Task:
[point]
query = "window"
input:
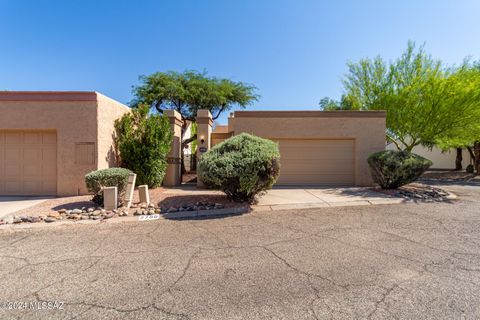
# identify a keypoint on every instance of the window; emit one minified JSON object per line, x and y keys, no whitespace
{"x":85,"y":153}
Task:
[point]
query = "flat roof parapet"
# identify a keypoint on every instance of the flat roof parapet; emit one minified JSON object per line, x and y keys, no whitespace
{"x":310,"y":113}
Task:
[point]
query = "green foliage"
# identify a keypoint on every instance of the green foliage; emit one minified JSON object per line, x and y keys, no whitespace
{"x":328,"y":104}
{"x":144,"y":141}
{"x":190,"y":91}
{"x":111,"y":177}
{"x":467,"y":134}
{"x":242,"y":166}
{"x":425,"y":101}
{"x":193,"y":133}
{"x":392,"y":169}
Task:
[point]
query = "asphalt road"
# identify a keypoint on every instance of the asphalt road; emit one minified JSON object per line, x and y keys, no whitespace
{"x":407,"y":261}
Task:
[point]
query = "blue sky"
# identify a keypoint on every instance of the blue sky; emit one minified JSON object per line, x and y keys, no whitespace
{"x":293,"y":51}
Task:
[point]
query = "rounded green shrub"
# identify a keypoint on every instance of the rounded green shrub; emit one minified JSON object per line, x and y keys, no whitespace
{"x":242,"y":166}
{"x":392,"y":169}
{"x":111,"y":177}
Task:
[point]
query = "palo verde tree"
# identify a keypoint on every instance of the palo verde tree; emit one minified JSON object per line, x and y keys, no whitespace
{"x":466,"y":136}
{"x":424,"y":99}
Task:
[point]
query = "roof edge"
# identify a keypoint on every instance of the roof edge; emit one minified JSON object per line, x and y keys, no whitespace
{"x":48,"y":96}
{"x":310,"y":113}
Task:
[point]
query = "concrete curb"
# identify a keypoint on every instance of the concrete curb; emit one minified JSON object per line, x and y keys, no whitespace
{"x":293,"y":206}
{"x":205,"y":213}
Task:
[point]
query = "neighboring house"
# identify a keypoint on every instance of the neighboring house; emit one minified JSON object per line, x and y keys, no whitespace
{"x":441,"y":160}
{"x":316,"y":147}
{"x":50,"y":140}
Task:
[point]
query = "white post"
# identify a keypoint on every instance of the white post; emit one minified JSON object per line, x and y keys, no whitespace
{"x":130,"y":188}
{"x":143,"y":194}
{"x":110,"y":199}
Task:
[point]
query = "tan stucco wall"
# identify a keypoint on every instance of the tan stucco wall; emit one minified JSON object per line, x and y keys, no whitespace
{"x":76,"y":117}
{"x":441,"y":159}
{"x":366,"y":128}
{"x":107,"y":112}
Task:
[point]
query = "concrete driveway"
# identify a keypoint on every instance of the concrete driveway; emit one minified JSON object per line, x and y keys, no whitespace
{"x":302,"y":197}
{"x":9,"y":204}
{"x":400,"y":261}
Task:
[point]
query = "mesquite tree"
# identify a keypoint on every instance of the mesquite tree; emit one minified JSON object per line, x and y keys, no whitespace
{"x":190,"y":91}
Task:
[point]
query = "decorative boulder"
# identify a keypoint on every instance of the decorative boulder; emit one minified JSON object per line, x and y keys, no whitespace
{"x":242,"y":166}
{"x":393,"y":169}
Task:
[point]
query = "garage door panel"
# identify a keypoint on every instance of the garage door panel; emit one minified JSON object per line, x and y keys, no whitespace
{"x":49,"y":139}
{"x":49,"y":155}
{"x":13,"y":154}
{"x":13,"y":187}
{"x":13,"y":171}
{"x":32,"y":172}
{"x":28,"y":163}
{"x":13,"y":138}
{"x":49,"y":171}
{"x":49,"y":187}
{"x":34,"y":138}
{"x":332,"y":163}
{"x":316,"y":161}
{"x":32,"y":187}
{"x":32,"y":154}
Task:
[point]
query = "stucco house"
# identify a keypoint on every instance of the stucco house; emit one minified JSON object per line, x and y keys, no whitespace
{"x":316,"y":147}
{"x":50,"y":140}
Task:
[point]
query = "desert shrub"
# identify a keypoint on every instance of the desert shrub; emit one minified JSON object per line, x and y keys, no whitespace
{"x":242,"y":166}
{"x":144,"y":141}
{"x":111,"y":177}
{"x":392,"y":169}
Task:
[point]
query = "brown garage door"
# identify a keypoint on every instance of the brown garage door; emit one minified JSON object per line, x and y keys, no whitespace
{"x":28,"y":163}
{"x":316,"y":162}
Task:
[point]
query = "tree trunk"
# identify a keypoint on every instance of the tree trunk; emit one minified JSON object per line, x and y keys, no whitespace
{"x":458,"y":160}
{"x":476,"y":151}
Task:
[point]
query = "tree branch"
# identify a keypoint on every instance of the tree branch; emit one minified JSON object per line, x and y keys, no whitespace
{"x":189,"y":140}
{"x":219,"y":112}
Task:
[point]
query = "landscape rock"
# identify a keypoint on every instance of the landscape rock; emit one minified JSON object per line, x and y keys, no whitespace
{"x":49,"y":219}
{"x":76,"y":211}
{"x":54,"y":215}
{"x":35,"y":219}
{"x":8,"y":219}
{"x":108,"y":215}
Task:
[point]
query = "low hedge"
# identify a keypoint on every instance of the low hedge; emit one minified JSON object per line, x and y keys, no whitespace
{"x":242,"y":166}
{"x":393,"y":169}
{"x":111,"y":177}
